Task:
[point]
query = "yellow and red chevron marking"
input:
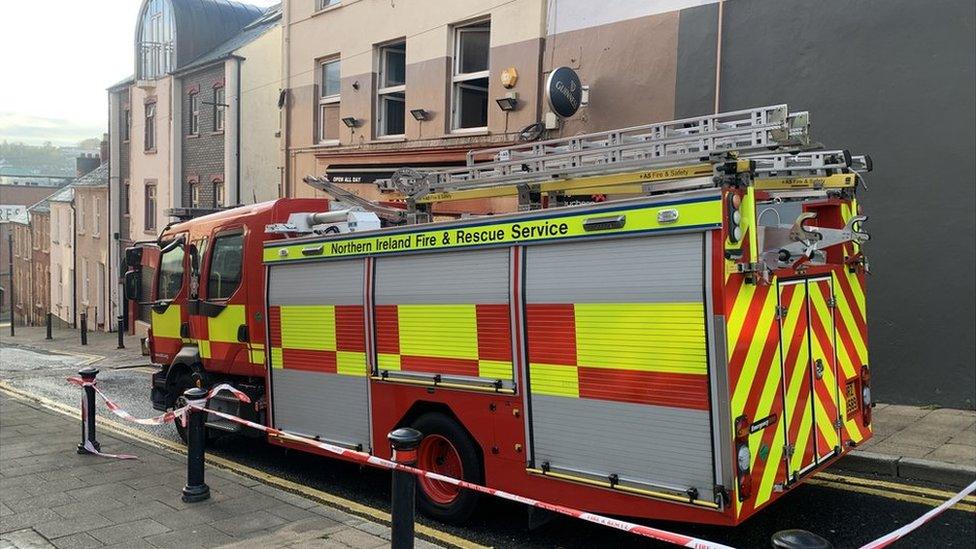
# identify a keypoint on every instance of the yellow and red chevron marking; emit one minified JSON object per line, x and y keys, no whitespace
{"x":796,"y":365}
{"x":822,"y":350}
{"x":852,"y":350}
{"x":755,"y":380}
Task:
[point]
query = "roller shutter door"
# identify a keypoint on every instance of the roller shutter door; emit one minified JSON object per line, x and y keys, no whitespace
{"x":445,"y":314}
{"x":617,"y":361}
{"x":318,"y":351}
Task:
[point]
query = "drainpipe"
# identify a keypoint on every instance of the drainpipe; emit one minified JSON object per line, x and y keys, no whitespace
{"x":74,"y":267}
{"x":283,"y":116}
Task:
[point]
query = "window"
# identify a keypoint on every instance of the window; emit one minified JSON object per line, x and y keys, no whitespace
{"x":329,"y":86}
{"x":194,"y":114}
{"x":150,"y":127}
{"x":194,"y":193}
{"x":322,"y":4}
{"x":84,"y":277}
{"x":469,"y":98}
{"x":170,"y":274}
{"x":391,"y":91}
{"x":150,"y":207}
{"x":156,"y":38}
{"x":126,"y":124}
{"x":80,"y":206}
{"x":55,"y":225}
{"x":218,"y":193}
{"x":96,"y":217}
{"x":225,"y":266}
{"x":219,"y":111}
{"x":125,"y":197}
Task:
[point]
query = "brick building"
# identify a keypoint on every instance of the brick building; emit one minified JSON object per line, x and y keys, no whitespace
{"x":31,"y":263}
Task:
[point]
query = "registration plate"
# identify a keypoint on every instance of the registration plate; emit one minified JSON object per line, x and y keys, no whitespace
{"x":852,"y":402}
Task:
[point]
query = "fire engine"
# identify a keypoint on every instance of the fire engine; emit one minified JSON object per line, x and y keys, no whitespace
{"x":671,"y":325}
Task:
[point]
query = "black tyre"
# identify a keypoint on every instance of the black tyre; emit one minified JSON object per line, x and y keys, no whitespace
{"x":447,"y":449}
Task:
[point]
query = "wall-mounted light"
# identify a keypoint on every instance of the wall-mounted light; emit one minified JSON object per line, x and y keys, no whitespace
{"x":420,"y":114}
{"x":350,"y":121}
{"x":509,"y":102}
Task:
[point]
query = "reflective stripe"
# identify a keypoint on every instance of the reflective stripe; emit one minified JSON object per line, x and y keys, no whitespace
{"x":387,"y":361}
{"x":223,"y":327}
{"x":204,"y":347}
{"x":309,"y":327}
{"x":167,"y":323}
{"x":554,"y":379}
{"x":498,"y":369}
{"x":276,"y":358}
{"x":351,"y":363}
{"x":445,"y":331}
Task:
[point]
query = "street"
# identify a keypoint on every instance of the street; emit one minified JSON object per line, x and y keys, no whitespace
{"x":848,"y":511}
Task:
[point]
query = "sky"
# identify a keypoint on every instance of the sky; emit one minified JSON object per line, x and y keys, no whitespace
{"x":57,"y":58}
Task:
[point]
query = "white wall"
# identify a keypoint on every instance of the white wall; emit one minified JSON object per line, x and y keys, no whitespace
{"x":260,"y":146}
{"x":62,"y":250}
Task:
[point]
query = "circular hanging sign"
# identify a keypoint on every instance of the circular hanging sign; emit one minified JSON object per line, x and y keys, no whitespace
{"x":564,"y":91}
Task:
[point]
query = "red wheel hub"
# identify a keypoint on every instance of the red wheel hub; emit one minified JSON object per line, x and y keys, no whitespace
{"x":437,"y":455}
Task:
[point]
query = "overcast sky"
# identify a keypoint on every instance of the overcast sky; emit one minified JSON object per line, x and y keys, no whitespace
{"x":57,"y":57}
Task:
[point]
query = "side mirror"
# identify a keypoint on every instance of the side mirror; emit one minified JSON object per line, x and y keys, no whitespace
{"x":172,"y":244}
{"x":133,"y":257}
{"x":132,"y":286}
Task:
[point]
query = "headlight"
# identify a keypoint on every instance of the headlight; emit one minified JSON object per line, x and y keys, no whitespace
{"x":745,"y":457}
{"x":866,"y":396}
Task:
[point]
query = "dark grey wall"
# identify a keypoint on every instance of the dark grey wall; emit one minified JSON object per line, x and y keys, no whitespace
{"x":203,"y":154}
{"x":895,"y":79}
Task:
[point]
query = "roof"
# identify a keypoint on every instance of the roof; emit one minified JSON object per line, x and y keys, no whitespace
{"x":269,"y":19}
{"x":65,"y":194}
{"x":94,"y":178}
{"x":202,"y":25}
{"x":20,"y":217}
{"x":125,"y":82}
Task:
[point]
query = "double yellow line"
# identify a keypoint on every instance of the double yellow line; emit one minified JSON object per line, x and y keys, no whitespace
{"x":892,"y":490}
{"x":326,"y":498}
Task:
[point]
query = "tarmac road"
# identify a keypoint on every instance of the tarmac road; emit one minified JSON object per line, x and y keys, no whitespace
{"x":847,"y":512}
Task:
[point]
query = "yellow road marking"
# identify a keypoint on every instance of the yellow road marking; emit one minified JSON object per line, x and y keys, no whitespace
{"x":943,"y":494}
{"x":899,"y":496}
{"x":243,"y":470}
{"x":89,"y":359}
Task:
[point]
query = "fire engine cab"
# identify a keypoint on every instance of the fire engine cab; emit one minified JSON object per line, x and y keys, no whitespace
{"x":671,"y":325}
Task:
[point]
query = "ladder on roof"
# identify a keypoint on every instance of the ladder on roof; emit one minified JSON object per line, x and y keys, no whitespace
{"x":652,"y":158}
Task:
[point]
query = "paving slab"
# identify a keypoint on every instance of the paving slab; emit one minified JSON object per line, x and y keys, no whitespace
{"x":67,"y":500}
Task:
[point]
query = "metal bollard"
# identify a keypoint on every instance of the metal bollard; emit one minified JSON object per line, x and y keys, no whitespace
{"x":121,"y":330}
{"x":404,"y":442}
{"x":88,"y":413}
{"x":196,"y":437}
{"x":84,"y":328}
{"x":48,"y":336}
{"x":799,"y":539}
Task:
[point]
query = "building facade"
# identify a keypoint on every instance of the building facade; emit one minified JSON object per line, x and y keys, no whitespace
{"x":62,"y":256}
{"x":94,"y":297}
{"x":31,"y":264}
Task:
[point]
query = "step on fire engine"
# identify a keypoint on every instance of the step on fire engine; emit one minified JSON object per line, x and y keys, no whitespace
{"x":687,"y":342}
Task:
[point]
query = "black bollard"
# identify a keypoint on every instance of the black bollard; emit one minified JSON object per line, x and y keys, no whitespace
{"x":48,"y":336}
{"x":404,"y":442}
{"x":799,"y":539}
{"x":121,"y":330}
{"x":196,"y":489}
{"x":88,"y":412}
{"x":84,"y":328}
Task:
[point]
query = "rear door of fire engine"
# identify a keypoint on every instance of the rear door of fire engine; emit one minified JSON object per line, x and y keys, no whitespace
{"x":809,"y":372}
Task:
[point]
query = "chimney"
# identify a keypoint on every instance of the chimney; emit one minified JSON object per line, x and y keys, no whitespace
{"x":103,"y":149}
{"x":85,"y":163}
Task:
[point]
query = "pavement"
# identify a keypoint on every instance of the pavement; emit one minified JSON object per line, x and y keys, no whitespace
{"x":50,"y":496}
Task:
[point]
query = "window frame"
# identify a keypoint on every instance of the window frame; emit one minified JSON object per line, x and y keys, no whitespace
{"x":326,"y":4}
{"x":211,"y":253}
{"x":194,"y":184}
{"x":149,"y":221}
{"x":80,"y":213}
{"x":387,"y":93}
{"x":96,"y":217}
{"x":219,"y":198}
{"x":159,"y":274}
{"x":220,"y":109}
{"x":126,"y":124}
{"x":194,"y":110}
{"x":149,"y":130}
{"x":325,"y":101}
{"x":459,"y":78}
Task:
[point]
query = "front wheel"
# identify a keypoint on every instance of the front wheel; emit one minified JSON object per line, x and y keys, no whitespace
{"x":447,"y":449}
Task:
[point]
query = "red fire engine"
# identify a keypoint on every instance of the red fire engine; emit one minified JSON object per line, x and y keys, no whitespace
{"x":689,"y":347}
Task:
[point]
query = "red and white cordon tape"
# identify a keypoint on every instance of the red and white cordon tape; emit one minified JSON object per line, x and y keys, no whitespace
{"x":887,"y":540}
{"x":177,"y":414}
{"x":368,"y":459}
